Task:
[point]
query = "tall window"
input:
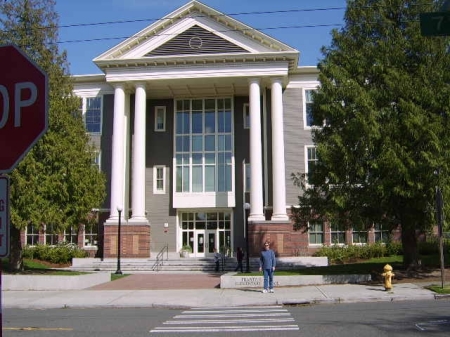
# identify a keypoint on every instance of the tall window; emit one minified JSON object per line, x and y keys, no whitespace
{"x":96,"y":159}
{"x":308,"y":108}
{"x":160,"y":118}
{"x":51,"y":237}
{"x":337,"y":235}
{"x":315,"y":232}
{"x":159,"y":178}
{"x":381,"y":235}
{"x":246,"y":116}
{"x":247,"y":177}
{"x":71,"y":235}
{"x":359,"y":236}
{"x":93,"y":114}
{"x":90,"y":234}
{"x":311,"y":159}
{"x":32,"y":235}
{"x":203,"y":145}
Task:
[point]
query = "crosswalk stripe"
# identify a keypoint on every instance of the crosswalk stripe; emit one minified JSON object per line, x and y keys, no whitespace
{"x":231,"y":315}
{"x":229,"y":328}
{"x":273,"y":318}
{"x":220,"y":321}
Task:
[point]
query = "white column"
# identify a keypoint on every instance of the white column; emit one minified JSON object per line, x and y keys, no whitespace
{"x":278,"y":169}
{"x":256,"y":180}
{"x":117,"y":164}
{"x":138,"y":165}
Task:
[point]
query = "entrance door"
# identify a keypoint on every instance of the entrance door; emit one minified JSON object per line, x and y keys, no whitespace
{"x":205,"y":243}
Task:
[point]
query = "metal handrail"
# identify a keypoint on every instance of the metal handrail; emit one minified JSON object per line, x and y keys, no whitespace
{"x":160,"y":258}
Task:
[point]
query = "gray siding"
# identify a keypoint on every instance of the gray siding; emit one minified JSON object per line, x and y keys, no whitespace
{"x":295,"y":139}
{"x":106,"y":143}
{"x":159,"y":151}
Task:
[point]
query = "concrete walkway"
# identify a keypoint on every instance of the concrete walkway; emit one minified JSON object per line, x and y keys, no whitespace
{"x":201,"y":290}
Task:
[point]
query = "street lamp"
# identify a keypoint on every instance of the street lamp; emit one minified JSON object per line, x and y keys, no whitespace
{"x":247,"y":255}
{"x":119,"y":210}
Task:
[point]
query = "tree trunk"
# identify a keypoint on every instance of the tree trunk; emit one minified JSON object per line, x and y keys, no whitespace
{"x":15,"y":253}
{"x":410,"y":249}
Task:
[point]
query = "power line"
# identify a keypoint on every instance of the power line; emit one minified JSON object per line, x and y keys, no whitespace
{"x":215,"y":31}
{"x":218,"y":15}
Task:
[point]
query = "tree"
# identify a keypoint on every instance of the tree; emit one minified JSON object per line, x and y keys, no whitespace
{"x":56,"y":183}
{"x":383,"y":111}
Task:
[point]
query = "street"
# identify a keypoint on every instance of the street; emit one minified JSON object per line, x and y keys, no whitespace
{"x":407,"y":318}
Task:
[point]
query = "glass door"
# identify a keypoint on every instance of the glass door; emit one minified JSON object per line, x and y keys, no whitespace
{"x":205,"y":243}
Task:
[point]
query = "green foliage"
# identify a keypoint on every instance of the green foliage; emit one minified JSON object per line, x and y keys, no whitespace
{"x":342,"y":254}
{"x":61,"y":253}
{"x":187,"y":248}
{"x":56,"y":182}
{"x":385,"y":96}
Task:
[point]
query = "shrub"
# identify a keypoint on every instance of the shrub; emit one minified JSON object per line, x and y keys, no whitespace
{"x":340,"y":254}
{"x":62,"y":253}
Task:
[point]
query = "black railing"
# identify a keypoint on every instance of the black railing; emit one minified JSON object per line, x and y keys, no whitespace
{"x":160,"y":258}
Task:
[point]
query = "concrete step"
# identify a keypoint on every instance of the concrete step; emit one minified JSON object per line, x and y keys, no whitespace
{"x":174,"y":264}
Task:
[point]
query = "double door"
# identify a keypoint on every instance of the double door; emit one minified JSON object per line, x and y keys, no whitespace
{"x":205,"y":242}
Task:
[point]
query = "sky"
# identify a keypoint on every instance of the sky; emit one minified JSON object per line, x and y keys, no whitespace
{"x":89,"y":28}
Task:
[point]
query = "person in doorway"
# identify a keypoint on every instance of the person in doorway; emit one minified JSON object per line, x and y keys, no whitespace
{"x":267,"y":265}
{"x":239,"y":257}
{"x":216,"y":259}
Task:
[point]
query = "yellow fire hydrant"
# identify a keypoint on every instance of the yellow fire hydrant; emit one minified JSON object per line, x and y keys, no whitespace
{"x":388,"y":275}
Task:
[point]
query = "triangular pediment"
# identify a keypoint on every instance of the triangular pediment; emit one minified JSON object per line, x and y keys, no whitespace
{"x":196,"y":40}
{"x":195,"y":31}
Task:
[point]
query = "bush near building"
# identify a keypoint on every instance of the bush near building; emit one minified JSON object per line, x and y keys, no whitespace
{"x":61,"y":253}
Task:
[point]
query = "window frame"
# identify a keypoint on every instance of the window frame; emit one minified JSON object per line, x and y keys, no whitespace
{"x":246,"y":116}
{"x":313,"y":231}
{"x":305,"y":104}
{"x":381,"y":232}
{"x":85,"y":110}
{"x":360,"y":233}
{"x":308,"y":160}
{"x":49,"y":236}
{"x":335,"y":231}
{"x":201,"y":168}
{"x":163,"y":110}
{"x":247,"y":177}
{"x":34,"y":235}
{"x":155,"y":179}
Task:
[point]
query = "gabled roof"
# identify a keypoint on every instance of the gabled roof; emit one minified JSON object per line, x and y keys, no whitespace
{"x":193,"y":33}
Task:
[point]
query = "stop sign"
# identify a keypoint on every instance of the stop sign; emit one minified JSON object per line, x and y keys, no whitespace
{"x":23,"y":106}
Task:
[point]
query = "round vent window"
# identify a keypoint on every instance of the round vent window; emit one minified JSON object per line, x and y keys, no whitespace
{"x":195,"y":42}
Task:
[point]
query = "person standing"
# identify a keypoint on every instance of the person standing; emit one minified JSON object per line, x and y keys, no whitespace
{"x":216,"y":259}
{"x":239,"y":257}
{"x":267,"y":265}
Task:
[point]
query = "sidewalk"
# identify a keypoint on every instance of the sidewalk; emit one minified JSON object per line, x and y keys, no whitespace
{"x":199,"y":290}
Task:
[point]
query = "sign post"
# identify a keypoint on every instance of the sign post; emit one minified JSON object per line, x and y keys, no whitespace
{"x":4,"y":216}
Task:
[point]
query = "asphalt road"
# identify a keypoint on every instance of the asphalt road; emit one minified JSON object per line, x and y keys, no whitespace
{"x":409,"y":318}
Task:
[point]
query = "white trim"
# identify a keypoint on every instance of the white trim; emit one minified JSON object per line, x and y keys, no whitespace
{"x":209,"y":199}
{"x":158,"y":109}
{"x":198,"y":70}
{"x":188,"y":11}
{"x":155,"y":181}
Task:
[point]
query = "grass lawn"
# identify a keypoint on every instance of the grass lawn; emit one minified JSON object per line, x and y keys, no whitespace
{"x":439,"y":289}
{"x":35,"y":267}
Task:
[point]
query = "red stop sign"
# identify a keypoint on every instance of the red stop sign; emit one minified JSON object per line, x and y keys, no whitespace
{"x":23,"y":106}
